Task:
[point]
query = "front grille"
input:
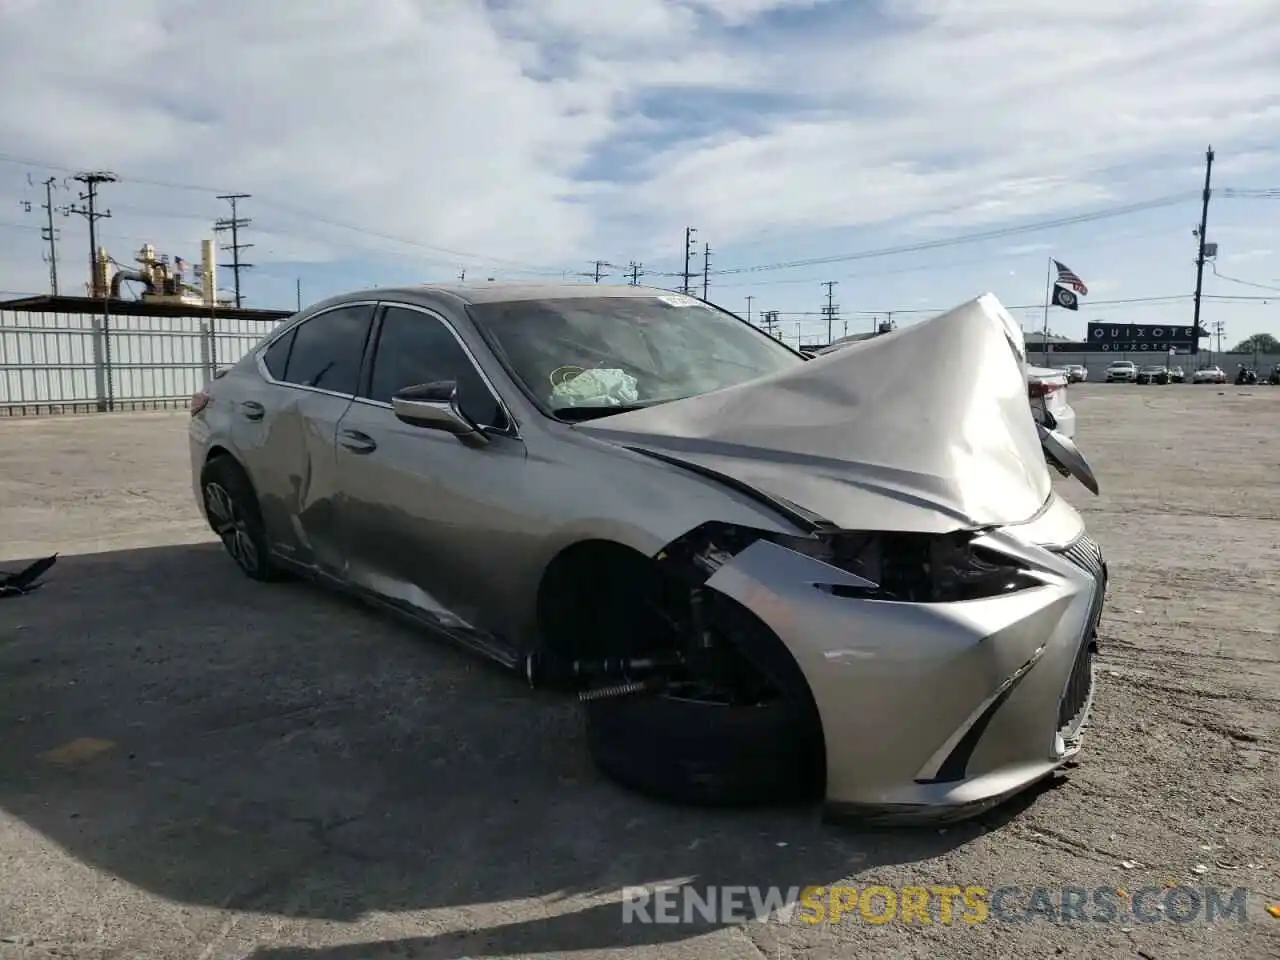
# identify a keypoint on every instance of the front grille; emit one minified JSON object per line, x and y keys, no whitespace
{"x":1087,"y":555}
{"x":1073,"y":709}
{"x":1079,"y":693}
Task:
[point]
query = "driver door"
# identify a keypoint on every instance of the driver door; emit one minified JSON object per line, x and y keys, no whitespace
{"x":423,"y":512}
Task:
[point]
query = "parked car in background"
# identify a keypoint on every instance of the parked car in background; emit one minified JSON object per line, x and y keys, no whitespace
{"x":1177,"y":375}
{"x":742,"y":561}
{"x":1153,"y":374}
{"x":1210,"y":374}
{"x":1047,"y":389}
{"x":1077,"y":373}
{"x":1122,"y":371}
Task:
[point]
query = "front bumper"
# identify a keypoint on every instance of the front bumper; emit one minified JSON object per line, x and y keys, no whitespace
{"x":940,"y":711}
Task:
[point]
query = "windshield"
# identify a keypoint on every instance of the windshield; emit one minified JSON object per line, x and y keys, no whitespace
{"x":582,"y":357}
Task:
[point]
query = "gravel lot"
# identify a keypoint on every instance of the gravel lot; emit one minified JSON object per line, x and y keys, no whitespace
{"x":196,"y":766}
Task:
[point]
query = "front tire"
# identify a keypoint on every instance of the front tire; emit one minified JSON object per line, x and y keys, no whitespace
{"x":688,"y":745}
{"x":707,"y":754}
{"x":232,"y":509}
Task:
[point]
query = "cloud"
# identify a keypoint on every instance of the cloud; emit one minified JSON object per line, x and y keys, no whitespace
{"x":978,"y":111}
{"x":533,"y":135}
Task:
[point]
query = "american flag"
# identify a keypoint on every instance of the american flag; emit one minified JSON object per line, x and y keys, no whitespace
{"x":1068,"y":276}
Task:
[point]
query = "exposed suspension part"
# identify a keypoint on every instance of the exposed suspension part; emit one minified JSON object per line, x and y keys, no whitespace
{"x":619,"y":690}
{"x":542,"y":670}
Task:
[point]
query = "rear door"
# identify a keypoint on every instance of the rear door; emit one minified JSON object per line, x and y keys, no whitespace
{"x":425,"y":517}
{"x":286,"y":432}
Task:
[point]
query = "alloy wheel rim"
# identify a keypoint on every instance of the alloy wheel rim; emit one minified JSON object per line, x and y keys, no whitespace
{"x":230,"y":526}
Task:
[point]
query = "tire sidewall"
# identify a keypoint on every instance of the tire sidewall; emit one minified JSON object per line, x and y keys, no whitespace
{"x":253,"y":556}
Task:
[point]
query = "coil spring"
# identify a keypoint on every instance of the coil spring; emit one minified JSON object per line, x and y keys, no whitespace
{"x":617,"y":690}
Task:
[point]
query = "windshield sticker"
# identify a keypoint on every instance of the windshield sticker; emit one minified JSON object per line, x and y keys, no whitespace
{"x":680,"y":300}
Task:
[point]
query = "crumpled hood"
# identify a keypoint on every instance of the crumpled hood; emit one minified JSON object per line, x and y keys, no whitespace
{"x":927,"y":428}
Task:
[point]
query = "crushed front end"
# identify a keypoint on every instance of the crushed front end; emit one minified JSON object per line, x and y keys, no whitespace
{"x":938,"y":699}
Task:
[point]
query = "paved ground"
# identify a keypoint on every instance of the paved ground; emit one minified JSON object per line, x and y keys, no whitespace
{"x":196,"y":766}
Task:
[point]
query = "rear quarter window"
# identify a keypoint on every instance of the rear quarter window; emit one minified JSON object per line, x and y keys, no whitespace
{"x":276,"y":359}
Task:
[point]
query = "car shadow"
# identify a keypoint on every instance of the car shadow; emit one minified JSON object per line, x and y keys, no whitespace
{"x":282,"y":750}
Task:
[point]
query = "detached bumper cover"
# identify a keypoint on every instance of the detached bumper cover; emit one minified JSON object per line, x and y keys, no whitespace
{"x":937,"y":711}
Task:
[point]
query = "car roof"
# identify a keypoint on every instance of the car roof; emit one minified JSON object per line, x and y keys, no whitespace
{"x":505,"y":292}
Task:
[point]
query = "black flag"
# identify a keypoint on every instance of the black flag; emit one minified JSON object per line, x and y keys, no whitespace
{"x":1064,"y":298}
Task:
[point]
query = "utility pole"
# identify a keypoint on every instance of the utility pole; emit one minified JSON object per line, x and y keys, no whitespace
{"x":462,"y":275}
{"x":749,"y":299}
{"x":90,"y":212}
{"x":829,"y":311}
{"x":706,"y":268}
{"x":297,"y":289}
{"x":1204,"y":224}
{"x":50,"y":235}
{"x":689,"y":233}
{"x":636,"y":269}
{"x":770,"y":320}
{"x":234,"y":223}
{"x":600,"y":265}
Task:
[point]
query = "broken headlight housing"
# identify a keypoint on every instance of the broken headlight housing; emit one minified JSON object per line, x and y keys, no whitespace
{"x":900,"y":567}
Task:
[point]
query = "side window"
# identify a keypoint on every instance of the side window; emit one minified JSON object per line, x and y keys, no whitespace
{"x":415,"y":348}
{"x":277,"y":356}
{"x":327,"y":349}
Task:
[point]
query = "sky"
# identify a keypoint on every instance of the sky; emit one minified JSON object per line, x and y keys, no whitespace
{"x":925,"y":151}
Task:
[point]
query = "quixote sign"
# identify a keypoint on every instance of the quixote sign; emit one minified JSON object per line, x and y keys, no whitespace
{"x":1140,"y":337}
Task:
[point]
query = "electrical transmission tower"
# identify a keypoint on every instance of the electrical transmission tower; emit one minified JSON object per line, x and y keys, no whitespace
{"x":49,"y":234}
{"x":706,"y":268}
{"x":90,"y":212}
{"x":635,"y":269}
{"x":689,"y":234}
{"x":829,"y":311}
{"x":234,"y":223}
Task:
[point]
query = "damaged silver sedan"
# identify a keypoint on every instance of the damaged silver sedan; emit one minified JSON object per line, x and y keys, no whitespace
{"x":766,"y":576}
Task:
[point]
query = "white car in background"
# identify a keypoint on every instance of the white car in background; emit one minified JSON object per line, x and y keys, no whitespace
{"x":1122,"y":371}
{"x":1047,"y":389}
{"x":1209,"y":375}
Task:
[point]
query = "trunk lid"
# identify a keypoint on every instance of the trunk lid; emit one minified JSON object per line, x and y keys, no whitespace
{"x":927,"y":428}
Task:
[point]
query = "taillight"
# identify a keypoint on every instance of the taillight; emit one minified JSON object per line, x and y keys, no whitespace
{"x":199,"y":400}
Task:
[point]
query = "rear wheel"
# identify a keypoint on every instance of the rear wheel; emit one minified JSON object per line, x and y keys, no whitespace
{"x":232,"y":509}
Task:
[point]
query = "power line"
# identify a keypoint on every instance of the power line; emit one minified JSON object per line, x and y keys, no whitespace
{"x":966,"y":238}
{"x":1248,"y":283}
{"x":525,"y":267}
{"x":234,"y":223}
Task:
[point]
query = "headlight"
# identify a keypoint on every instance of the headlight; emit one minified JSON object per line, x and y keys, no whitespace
{"x":904,"y":567}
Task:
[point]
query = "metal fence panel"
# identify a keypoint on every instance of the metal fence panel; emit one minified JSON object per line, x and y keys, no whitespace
{"x":74,"y":363}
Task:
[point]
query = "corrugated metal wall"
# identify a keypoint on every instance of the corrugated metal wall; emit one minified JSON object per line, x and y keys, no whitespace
{"x":72,"y":363}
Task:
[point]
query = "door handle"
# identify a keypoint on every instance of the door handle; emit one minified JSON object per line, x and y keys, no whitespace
{"x":358,"y":442}
{"x":252,"y":409}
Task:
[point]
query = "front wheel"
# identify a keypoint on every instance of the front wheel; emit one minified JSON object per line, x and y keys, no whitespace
{"x":696,"y":752}
{"x":232,"y":509}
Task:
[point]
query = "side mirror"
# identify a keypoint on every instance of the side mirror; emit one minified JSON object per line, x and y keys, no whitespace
{"x":434,"y":406}
{"x":1065,"y":457}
